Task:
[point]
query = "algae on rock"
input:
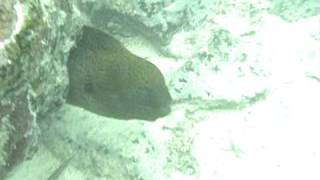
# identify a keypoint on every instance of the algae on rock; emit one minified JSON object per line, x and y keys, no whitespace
{"x":33,"y":76}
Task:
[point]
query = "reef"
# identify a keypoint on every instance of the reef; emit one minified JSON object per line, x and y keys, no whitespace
{"x":33,"y":75}
{"x":7,"y":18}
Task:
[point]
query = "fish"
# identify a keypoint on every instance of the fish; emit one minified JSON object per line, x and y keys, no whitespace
{"x":107,"y":79}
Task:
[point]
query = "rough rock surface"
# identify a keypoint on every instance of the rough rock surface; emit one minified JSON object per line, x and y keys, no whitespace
{"x":34,"y":42}
{"x":295,"y":10}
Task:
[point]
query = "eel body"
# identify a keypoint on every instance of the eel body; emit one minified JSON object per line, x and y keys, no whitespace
{"x":107,"y":79}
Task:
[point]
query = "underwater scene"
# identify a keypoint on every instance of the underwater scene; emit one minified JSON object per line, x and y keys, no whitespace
{"x":159,"y":89}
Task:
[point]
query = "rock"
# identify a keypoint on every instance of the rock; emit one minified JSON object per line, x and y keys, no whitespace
{"x":34,"y":43}
{"x":296,"y":10}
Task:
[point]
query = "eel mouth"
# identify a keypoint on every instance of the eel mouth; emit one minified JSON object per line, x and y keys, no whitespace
{"x":163,"y":111}
{"x":151,"y":113}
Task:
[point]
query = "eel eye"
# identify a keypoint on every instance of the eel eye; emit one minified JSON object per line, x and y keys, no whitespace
{"x":88,"y":87}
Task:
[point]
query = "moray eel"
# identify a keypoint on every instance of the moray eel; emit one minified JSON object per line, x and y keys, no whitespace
{"x":107,"y":79}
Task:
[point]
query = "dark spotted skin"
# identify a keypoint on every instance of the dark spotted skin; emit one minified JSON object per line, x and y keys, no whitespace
{"x":107,"y":79}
